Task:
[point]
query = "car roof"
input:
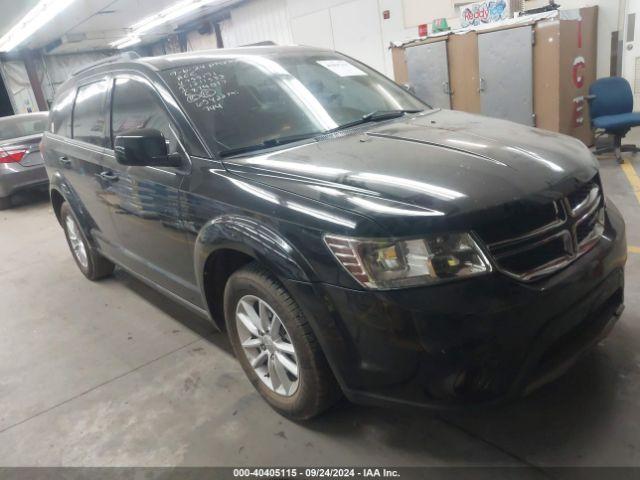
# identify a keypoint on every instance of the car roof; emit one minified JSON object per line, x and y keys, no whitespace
{"x":130,"y":61}
{"x":166,"y":62}
{"x":177,"y":60}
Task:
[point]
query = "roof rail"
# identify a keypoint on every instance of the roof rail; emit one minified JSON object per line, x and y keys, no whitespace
{"x":131,"y":55}
{"x":266,"y":43}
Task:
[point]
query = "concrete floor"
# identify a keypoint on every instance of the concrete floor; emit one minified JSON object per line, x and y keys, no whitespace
{"x":115,"y":374}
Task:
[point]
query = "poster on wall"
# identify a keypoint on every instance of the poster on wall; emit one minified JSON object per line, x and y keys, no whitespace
{"x":481,"y":13}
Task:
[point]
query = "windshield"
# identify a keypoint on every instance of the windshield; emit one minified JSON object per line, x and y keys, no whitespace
{"x":22,"y":126}
{"x":260,"y":101}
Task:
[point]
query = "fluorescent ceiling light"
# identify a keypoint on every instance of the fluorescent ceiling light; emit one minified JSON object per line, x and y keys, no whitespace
{"x":42,"y":13}
{"x":173,"y":12}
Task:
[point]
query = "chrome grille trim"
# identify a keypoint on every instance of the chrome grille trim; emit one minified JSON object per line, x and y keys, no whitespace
{"x":530,"y":246}
{"x":548,"y":267}
{"x":598,"y":230}
{"x":589,"y":202}
{"x":560,"y":219}
{"x":568,"y":219}
{"x":592,"y":208}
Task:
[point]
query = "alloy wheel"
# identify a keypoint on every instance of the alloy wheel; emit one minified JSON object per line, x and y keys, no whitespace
{"x":77,"y":243}
{"x":267,"y":345}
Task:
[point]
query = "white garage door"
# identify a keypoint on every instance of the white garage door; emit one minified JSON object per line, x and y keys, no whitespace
{"x":313,"y":29}
{"x":356,"y":32}
{"x":351,"y":27}
{"x":254,"y":22}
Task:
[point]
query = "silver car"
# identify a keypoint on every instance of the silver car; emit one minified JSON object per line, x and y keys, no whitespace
{"x":21,"y":165}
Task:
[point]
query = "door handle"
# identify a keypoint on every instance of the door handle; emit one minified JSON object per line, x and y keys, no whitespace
{"x":108,"y":176}
{"x":482,"y":86}
{"x":64,"y":161}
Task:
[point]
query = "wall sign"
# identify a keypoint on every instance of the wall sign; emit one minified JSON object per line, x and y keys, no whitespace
{"x":480,"y":13}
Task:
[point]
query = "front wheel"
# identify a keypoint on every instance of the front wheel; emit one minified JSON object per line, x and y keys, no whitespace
{"x":93,"y":265}
{"x":275,"y":345}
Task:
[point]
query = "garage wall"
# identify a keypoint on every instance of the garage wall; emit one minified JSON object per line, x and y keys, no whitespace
{"x":257,"y":21}
{"x":610,"y":13}
{"x":54,"y":70}
{"x":357,"y":27}
{"x":199,"y":41}
{"x":352,"y":27}
{"x":416,"y":12}
{"x":16,"y":81}
{"x":51,"y":70}
{"x":608,"y":18}
{"x":393,"y":29}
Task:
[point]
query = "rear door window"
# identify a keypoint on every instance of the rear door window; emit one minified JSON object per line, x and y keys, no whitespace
{"x":89,"y":113}
{"x":61,"y":114}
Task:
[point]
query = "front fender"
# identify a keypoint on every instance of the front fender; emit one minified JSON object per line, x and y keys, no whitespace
{"x":252,"y":238}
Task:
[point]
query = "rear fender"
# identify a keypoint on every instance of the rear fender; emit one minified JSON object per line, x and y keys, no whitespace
{"x":57,"y":183}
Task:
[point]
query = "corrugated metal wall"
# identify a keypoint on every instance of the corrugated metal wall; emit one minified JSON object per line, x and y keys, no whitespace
{"x":198,"y":41}
{"x":257,"y":21}
{"x":16,"y":81}
{"x":54,"y":70}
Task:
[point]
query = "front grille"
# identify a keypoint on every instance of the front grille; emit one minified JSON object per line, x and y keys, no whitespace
{"x":531,"y":219}
{"x":536,"y":256}
{"x":578,"y":223}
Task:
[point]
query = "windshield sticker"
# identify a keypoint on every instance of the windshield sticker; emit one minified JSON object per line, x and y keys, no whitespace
{"x":202,"y":86}
{"x":342,"y":68}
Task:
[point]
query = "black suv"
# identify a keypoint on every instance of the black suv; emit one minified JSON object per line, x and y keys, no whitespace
{"x":347,"y":236}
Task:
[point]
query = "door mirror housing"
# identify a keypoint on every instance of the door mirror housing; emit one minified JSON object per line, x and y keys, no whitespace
{"x":144,"y":147}
{"x":409,"y":88}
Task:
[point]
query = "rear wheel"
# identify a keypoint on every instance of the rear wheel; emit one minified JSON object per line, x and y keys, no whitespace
{"x":275,"y":345}
{"x":93,"y":265}
{"x":5,"y":202}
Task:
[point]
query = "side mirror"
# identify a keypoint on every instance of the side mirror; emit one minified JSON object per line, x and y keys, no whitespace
{"x":144,"y":147}
{"x":409,"y":88}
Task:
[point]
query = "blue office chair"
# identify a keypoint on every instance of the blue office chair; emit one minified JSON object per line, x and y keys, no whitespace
{"x":611,"y":109}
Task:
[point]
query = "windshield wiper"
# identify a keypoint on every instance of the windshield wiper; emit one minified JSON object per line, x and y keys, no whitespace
{"x":376,"y":116}
{"x":272,"y":142}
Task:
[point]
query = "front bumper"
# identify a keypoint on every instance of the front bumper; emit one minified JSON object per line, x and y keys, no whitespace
{"x":15,"y":177}
{"x":477,"y":341}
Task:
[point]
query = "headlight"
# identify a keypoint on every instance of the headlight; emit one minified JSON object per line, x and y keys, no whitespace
{"x":386,"y":264}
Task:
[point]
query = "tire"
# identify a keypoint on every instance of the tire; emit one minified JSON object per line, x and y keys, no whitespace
{"x":5,"y":203}
{"x":315,"y":388}
{"x":93,"y":265}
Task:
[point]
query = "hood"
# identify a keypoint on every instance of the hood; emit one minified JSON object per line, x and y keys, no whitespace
{"x":416,"y":173}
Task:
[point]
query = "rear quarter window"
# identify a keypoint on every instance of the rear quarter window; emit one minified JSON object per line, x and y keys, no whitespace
{"x":89,"y":123}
